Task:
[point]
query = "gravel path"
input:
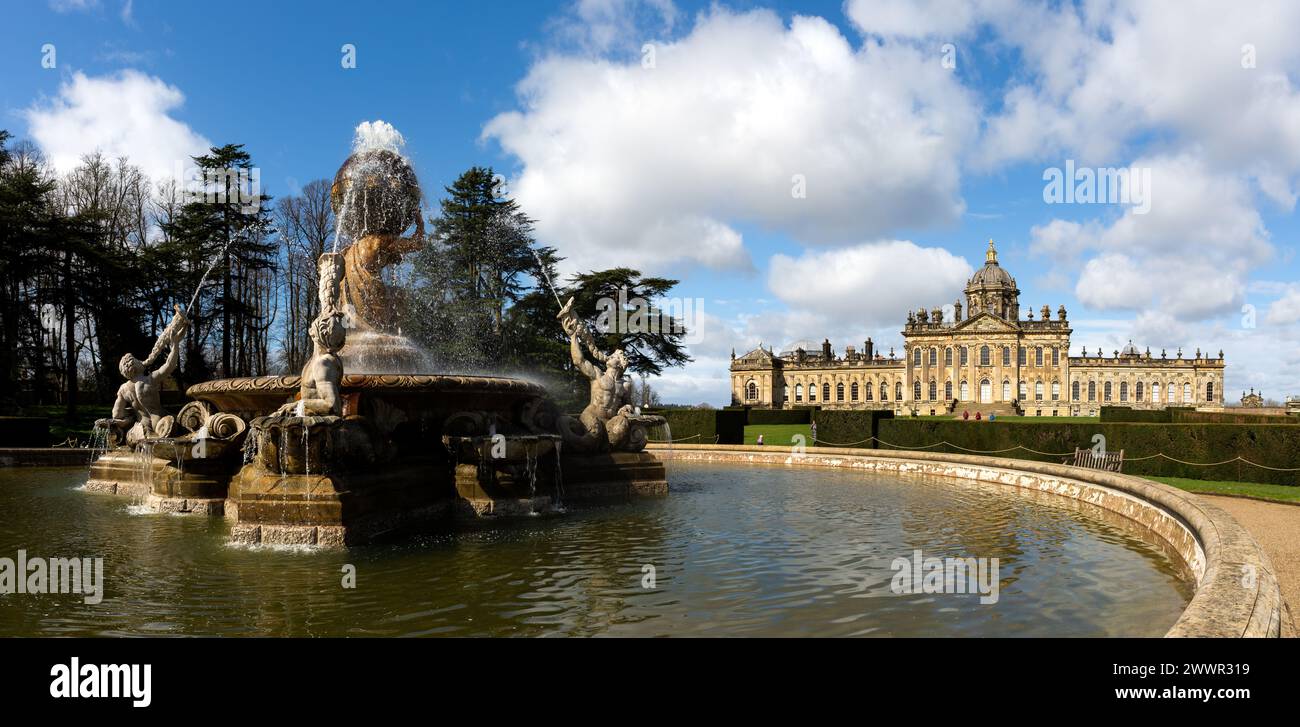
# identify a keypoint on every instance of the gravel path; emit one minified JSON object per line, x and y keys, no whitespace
{"x":1277,"y":528}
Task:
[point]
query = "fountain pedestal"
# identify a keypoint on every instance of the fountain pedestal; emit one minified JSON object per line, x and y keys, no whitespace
{"x":613,"y":475}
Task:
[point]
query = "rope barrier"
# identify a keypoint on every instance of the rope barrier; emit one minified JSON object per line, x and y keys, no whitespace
{"x":1055,"y":454}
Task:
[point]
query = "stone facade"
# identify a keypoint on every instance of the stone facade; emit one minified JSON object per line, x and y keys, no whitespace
{"x":989,"y":360}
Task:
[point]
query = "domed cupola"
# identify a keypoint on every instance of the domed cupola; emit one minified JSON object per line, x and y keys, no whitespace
{"x":992,"y":289}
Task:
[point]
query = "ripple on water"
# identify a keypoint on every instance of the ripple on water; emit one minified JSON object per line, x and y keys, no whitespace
{"x":735,"y":550}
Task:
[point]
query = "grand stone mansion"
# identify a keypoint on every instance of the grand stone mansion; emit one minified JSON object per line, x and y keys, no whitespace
{"x":989,"y":360}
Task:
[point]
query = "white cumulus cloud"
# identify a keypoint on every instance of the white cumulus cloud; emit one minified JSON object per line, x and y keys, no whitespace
{"x":659,"y":165}
{"x":126,"y":114}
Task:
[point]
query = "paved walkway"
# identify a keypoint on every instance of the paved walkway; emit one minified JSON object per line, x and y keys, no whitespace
{"x":1277,"y":528}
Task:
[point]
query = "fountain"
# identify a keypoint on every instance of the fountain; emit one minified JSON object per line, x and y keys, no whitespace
{"x":366,"y":441}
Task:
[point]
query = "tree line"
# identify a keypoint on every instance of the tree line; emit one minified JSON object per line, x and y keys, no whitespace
{"x":93,"y":260}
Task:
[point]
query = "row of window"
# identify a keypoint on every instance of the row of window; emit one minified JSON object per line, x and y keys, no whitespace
{"x":1041,"y":355}
{"x":1139,"y":391}
{"x":868,"y":391}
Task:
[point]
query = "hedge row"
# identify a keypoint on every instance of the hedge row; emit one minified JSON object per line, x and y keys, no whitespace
{"x":24,"y":432}
{"x":1188,"y":415}
{"x":703,"y":426}
{"x":1273,"y":445}
{"x":780,"y":416}
{"x":849,"y":427}
{"x":1215,"y":417}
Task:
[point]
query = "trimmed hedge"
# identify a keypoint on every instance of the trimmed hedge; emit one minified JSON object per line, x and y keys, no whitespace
{"x":1273,"y":445}
{"x":1216,"y":417}
{"x":1189,"y":415}
{"x":727,"y":426}
{"x":848,"y":427}
{"x":24,"y":432}
{"x":780,"y":416}
{"x":1128,"y":414}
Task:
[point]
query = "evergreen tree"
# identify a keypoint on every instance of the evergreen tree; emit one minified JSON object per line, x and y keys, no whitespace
{"x":472,"y":272}
{"x":220,"y":225}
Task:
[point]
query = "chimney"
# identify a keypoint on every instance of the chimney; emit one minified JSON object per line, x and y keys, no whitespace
{"x":826,"y":350}
{"x":869,"y":349}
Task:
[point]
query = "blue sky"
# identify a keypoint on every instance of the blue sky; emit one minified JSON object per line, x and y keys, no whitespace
{"x":912,"y":154}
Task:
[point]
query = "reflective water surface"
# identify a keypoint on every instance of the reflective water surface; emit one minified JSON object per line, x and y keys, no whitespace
{"x":735,"y":550}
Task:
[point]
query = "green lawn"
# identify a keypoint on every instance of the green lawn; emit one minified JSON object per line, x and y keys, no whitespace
{"x":777,"y":434}
{"x":1280,"y":493}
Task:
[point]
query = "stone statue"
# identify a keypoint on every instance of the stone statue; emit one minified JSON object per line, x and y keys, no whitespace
{"x":322,"y":377}
{"x":138,"y":411}
{"x":376,"y":198}
{"x":609,"y":422}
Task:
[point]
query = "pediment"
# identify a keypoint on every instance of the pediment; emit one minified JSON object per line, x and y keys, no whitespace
{"x":985,"y":323}
{"x":758,"y":355}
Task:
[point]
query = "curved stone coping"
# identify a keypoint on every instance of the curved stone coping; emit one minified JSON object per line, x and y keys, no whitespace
{"x":370,"y":382}
{"x":1237,"y":592}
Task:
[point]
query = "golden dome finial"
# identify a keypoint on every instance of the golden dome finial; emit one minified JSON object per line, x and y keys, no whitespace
{"x":992,"y":255}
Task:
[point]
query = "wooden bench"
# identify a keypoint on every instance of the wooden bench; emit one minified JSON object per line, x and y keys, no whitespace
{"x":1108,"y":461}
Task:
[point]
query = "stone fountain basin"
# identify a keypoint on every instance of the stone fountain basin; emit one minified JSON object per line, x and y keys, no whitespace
{"x":516,"y":449}
{"x":416,"y":394}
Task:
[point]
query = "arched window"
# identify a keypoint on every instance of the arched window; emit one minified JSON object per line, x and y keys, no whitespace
{"x":1209,"y":391}
{"x":898,"y":391}
{"x":853,"y":391}
{"x":798,"y":392}
{"x":869,"y":393}
{"x":934,"y":390}
{"x":947,"y":391}
{"x":1106,"y":391}
{"x":751,"y":391}
{"x":1155,"y":392}
{"x":812,"y":392}
{"x":1123,"y":391}
{"x":934,"y":356}
{"x":1038,"y":356}
{"x":1006,"y":391}
{"x":947,"y":356}
{"x":965,"y":355}
{"x":1187,"y":393}
{"x":1092,"y":391}
{"x":839,"y":391}
{"x":1024,"y":390}
{"x":1056,"y":391}
{"x":826,"y":391}
{"x":965,"y":391}
{"x":1006,"y":355}
{"x":984,"y":355}
{"x":916,"y":357}
{"x":1038,"y":391}
{"x":1137,"y":391}
{"x":1074,"y":391}
{"x":916,"y":391}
